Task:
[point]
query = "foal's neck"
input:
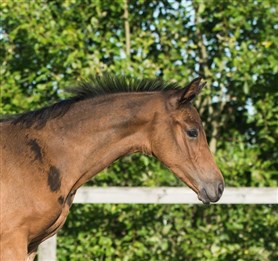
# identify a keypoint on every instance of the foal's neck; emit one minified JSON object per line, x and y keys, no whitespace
{"x":96,"y":132}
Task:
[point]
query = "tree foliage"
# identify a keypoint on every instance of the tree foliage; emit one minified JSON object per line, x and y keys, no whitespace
{"x":49,"y":45}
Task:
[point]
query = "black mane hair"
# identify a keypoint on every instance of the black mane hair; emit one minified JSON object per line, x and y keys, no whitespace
{"x":107,"y":84}
{"x":95,"y":86}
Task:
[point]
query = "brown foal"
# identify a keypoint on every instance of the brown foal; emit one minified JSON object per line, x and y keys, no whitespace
{"x":46,"y":155}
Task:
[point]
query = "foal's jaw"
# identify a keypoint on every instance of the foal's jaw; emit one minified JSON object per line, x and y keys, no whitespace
{"x":208,"y":185}
{"x":207,"y":192}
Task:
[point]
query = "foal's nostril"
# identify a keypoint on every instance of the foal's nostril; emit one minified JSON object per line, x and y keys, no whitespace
{"x":211,"y":192}
{"x":220,"y":189}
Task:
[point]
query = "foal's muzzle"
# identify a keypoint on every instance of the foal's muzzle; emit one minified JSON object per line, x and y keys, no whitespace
{"x":211,"y":192}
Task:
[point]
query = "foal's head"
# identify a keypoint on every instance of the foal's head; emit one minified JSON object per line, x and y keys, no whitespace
{"x":179,"y":141}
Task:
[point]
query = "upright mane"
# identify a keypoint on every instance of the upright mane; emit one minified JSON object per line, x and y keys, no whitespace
{"x":95,"y":86}
{"x":107,"y":84}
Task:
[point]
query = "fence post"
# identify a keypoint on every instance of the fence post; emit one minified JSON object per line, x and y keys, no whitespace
{"x":47,"y":249}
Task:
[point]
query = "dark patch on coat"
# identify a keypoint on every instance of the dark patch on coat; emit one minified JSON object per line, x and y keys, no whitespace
{"x":133,"y":106}
{"x":54,"y":179}
{"x":70,"y":197}
{"x":36,"y":148}
{"x":61,"y":200}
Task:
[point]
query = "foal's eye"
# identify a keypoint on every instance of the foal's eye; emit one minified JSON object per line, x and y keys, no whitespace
{"x":193,"y":133}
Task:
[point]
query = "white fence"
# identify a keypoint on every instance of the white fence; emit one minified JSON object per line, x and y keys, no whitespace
{"x":161,"y":195}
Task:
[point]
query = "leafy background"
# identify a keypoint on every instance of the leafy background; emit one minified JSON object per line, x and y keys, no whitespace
{"x":47,"y":46}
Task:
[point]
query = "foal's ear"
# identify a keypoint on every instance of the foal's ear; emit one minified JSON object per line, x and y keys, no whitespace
{"x":191,"y":91}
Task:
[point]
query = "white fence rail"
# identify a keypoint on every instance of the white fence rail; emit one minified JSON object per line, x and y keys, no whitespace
{"x":161,"y":195}
{"x":170,"y":195}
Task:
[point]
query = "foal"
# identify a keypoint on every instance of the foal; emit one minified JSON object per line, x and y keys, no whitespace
{"x":46,"y":155}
